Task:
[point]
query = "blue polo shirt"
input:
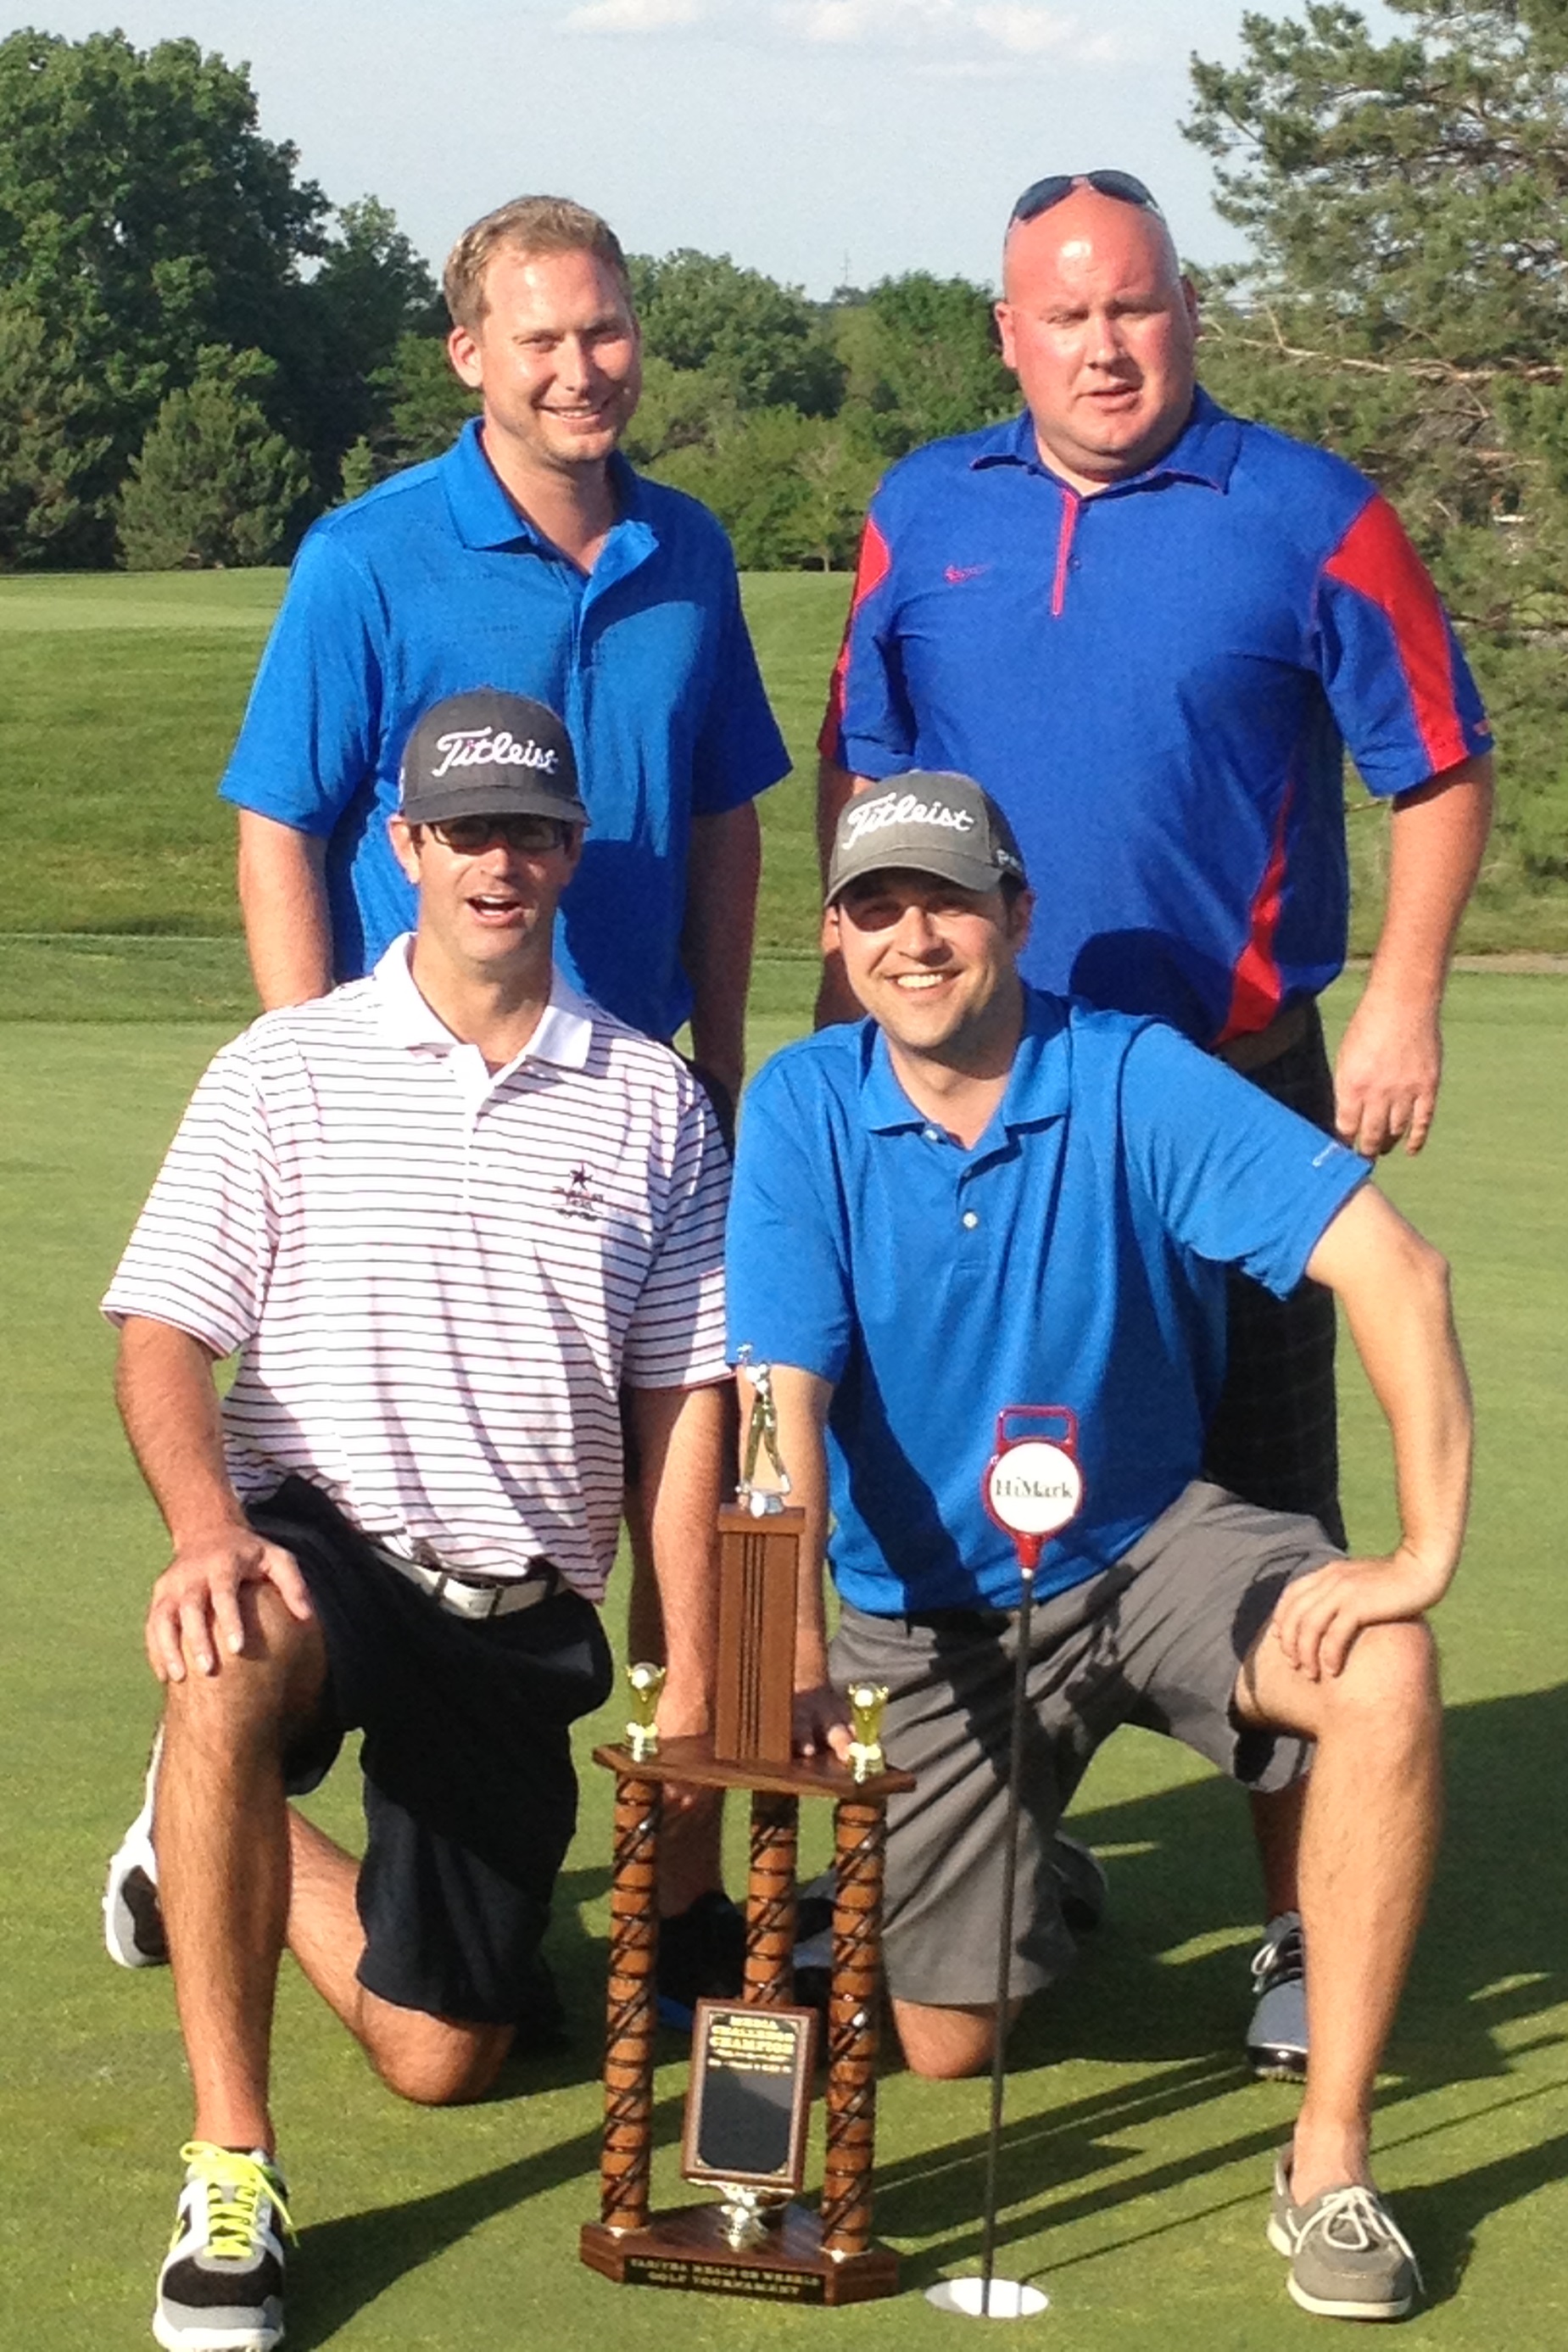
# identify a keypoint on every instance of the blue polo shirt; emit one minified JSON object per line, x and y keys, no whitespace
{"x":1075,"y":1256}
{"x":434,"y":584}
{"x":1157,"y":683}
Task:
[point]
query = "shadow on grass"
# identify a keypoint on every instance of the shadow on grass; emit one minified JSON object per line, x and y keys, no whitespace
{"x":1492,"y":1956}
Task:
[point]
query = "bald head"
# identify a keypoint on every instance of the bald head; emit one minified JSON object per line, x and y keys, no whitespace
{"x":1100,"y":328}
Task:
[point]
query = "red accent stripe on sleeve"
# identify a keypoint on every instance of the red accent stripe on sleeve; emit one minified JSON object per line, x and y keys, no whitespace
{"x":1375,"y":558}
{"x":1072,"y":506}
{"x":1257,"y":984}
{"x":875,"y":561}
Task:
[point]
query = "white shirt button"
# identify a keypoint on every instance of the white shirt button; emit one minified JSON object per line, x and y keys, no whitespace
{"x":970,"y":1220}
{"x":931,"y":1136}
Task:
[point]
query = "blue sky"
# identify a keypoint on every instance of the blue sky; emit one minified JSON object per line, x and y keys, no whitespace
{"x":809,"y":138}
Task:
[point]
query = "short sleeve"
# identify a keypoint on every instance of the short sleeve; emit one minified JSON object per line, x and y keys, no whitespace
{"x":1399,"y":686}
{"x":789,"y":1280}
{"x":311,"y":731}
{"x":739,"y":750}
{"x":869,"y":727}
{"x":201,"y":1255}
{"x":1235,"y":1177}
{"x":675,"y":1336}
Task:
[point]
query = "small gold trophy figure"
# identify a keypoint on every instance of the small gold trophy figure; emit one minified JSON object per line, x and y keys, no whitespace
{"x":867,"y":1701}
{"x":642,"y":1734}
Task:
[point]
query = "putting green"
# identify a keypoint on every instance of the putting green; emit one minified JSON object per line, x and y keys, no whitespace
{"x":1136,"y":2156}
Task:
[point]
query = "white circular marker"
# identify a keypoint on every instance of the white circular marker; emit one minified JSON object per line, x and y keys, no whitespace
{"x":1008,"y":2298}
{"x":1034,"y":1488}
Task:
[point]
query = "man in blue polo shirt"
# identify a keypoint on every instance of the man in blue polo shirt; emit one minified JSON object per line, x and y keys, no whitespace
{"x":531,"y":558}
{"x":986,"y":1198}
{"x":1153,"y":629}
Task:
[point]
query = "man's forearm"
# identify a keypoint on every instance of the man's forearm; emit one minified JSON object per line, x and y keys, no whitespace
{"x":163,"y":1386}
{"x":1437,"y":838}
{"x":680,"y":1438}
{"x":723,"y":872}
{"x":283,"y":899}
{"x":1394,"y":1286}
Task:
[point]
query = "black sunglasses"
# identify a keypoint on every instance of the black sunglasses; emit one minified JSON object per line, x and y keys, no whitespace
{"x":530,"y":836}
{"x":1040,"y":197}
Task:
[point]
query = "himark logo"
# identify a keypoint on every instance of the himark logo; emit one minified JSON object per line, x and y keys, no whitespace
{"x":578,"y":1198}
{"x":957,"y":573}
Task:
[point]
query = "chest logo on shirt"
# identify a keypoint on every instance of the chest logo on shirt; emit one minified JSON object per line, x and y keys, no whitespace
{"x":957,"y":573}
{"x":1032,"y":1484}
{"x":578,"y":1198}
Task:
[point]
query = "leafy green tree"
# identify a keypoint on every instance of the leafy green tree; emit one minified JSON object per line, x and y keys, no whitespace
{"x":212,"y":484}
{"x":423,"y":404}
{"x":791,"y":491}
{"x":1407,"y":302}
{"x":922,"y":359}
{"x":759,"y":344}
{"x":142,"y":218}
{"x":348,"y":325}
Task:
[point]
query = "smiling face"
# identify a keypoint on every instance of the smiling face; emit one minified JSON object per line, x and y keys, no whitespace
{"x":487,"y":914}
{"x":936,"y":966}
{"x":556,"y":356}
{"x":1101,"y":329}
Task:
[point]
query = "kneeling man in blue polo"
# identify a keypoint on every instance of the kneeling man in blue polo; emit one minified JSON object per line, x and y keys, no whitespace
{"x":983,"y":1198}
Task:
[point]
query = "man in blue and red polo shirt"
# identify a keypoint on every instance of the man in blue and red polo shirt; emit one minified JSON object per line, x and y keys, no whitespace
{"x":1152,"y":630}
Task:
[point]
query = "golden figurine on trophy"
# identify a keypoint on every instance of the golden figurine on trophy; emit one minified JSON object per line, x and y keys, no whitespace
{"x":753,"y":2061}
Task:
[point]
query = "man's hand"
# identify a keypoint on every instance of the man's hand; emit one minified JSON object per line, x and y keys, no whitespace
{"x":195,"y":1609}
{"x":1386,"y":1078}
{"x":821,"y":1724}
{"x":1317,"y":1618}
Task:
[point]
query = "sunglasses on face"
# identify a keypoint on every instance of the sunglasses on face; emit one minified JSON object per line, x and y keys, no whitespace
{"x":1040,"y":197}
{"x":532,"y":836}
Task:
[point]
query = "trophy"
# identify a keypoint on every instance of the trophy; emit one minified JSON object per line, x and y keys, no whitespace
{"x":753,"y":2061}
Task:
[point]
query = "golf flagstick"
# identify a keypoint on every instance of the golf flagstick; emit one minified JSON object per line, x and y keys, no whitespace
{"x":1032,"y":1487}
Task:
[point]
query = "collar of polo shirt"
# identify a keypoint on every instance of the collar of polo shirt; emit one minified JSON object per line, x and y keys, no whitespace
{"x":563,"y":1037}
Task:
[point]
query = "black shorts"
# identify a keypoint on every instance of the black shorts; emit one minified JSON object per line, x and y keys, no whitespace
{"x":469,"y":1791}
{"x":1274,"y":1437}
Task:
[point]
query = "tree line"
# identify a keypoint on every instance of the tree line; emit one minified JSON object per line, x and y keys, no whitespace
{"x":199,"y":352}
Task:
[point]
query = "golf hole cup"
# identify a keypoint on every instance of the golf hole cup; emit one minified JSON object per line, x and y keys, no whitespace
{"x":1033,"y":1485}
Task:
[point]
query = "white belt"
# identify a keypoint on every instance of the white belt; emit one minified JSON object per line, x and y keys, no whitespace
{"x":468,"y":1596}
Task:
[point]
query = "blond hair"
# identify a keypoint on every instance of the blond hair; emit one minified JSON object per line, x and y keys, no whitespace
{"x":528,"y":224}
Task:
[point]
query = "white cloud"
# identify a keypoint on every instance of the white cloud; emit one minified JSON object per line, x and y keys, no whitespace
{"x":635,"y":16}
{"x":963,"y":35}
{"x":1026,"y":31}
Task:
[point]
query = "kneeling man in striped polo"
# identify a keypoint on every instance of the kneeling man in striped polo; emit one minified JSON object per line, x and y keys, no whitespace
{"x":441,"y":1216}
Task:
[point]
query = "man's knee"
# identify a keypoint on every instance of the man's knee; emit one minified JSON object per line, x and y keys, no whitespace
{"x":942,"y":2043}
{"x":1390,"y":1676}
{"x":434,"y":2064}
{"x":254,"y":1694}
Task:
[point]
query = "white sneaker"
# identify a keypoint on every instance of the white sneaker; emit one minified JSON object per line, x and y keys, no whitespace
{"x":221,"y":2285}
{"x":132,"y":1921}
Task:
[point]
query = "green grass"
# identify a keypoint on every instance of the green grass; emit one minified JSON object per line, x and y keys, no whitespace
{"x":1135,"y":2157}
{"x":123,"y":697}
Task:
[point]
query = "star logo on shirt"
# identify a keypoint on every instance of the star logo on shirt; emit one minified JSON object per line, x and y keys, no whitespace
{"x":578,"y":1198}
{"x":957,"y":573}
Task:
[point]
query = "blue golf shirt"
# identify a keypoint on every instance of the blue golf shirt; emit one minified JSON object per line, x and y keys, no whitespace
{"x":434,"y":584}
{"x":1075,"y":1256}
{"x":1158,"y":683}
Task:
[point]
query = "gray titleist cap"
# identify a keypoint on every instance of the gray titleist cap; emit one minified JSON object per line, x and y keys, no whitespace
{"x":490,"y":754}
{"x":926,"y":823}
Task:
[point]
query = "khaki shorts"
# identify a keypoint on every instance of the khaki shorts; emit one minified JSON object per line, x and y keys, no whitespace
{"x":1156,"y":1641}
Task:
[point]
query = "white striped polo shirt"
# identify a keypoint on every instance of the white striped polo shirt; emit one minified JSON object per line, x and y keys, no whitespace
{"x":437,"y":1277}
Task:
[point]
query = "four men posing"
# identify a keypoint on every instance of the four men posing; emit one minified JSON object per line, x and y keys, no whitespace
{"x":395,"y":1198}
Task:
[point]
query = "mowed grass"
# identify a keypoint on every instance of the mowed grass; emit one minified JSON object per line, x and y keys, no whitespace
{"x":1137,"y":2156}
{"x":124,"y":696}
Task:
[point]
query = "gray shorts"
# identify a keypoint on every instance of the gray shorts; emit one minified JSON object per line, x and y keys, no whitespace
{"x":1155,"y":1640}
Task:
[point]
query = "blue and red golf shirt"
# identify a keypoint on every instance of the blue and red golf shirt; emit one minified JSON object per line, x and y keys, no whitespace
{"x":1158,"y":683}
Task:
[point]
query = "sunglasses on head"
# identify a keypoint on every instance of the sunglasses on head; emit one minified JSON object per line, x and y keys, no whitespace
{"x":1040,"y":197}
{"x":531,"y":836}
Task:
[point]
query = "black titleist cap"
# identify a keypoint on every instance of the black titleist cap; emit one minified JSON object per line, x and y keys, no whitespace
{"x":490,"y":754}
{"x":926,"y":822}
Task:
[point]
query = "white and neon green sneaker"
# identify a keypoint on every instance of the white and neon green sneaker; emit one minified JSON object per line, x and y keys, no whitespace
{"x":221,"y":2287}
{"x":132,"y":1922}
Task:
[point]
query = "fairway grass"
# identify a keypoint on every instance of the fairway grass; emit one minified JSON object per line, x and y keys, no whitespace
{"x":1136,"y":2156}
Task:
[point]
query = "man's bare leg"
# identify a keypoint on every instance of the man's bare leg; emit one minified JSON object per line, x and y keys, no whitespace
{"x":222,"y":1841}
{"x":1277,"y":1827}
{"x":1369,"y":1832}
{"x":435,"y":2060}
{"x":946,"y":2042}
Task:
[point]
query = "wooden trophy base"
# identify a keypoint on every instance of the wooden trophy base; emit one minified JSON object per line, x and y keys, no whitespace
{"x":687,"y":2249}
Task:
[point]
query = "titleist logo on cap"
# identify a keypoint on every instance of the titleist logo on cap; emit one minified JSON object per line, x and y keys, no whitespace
{"x":487,"y":746}
{"x":864,"y":816}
